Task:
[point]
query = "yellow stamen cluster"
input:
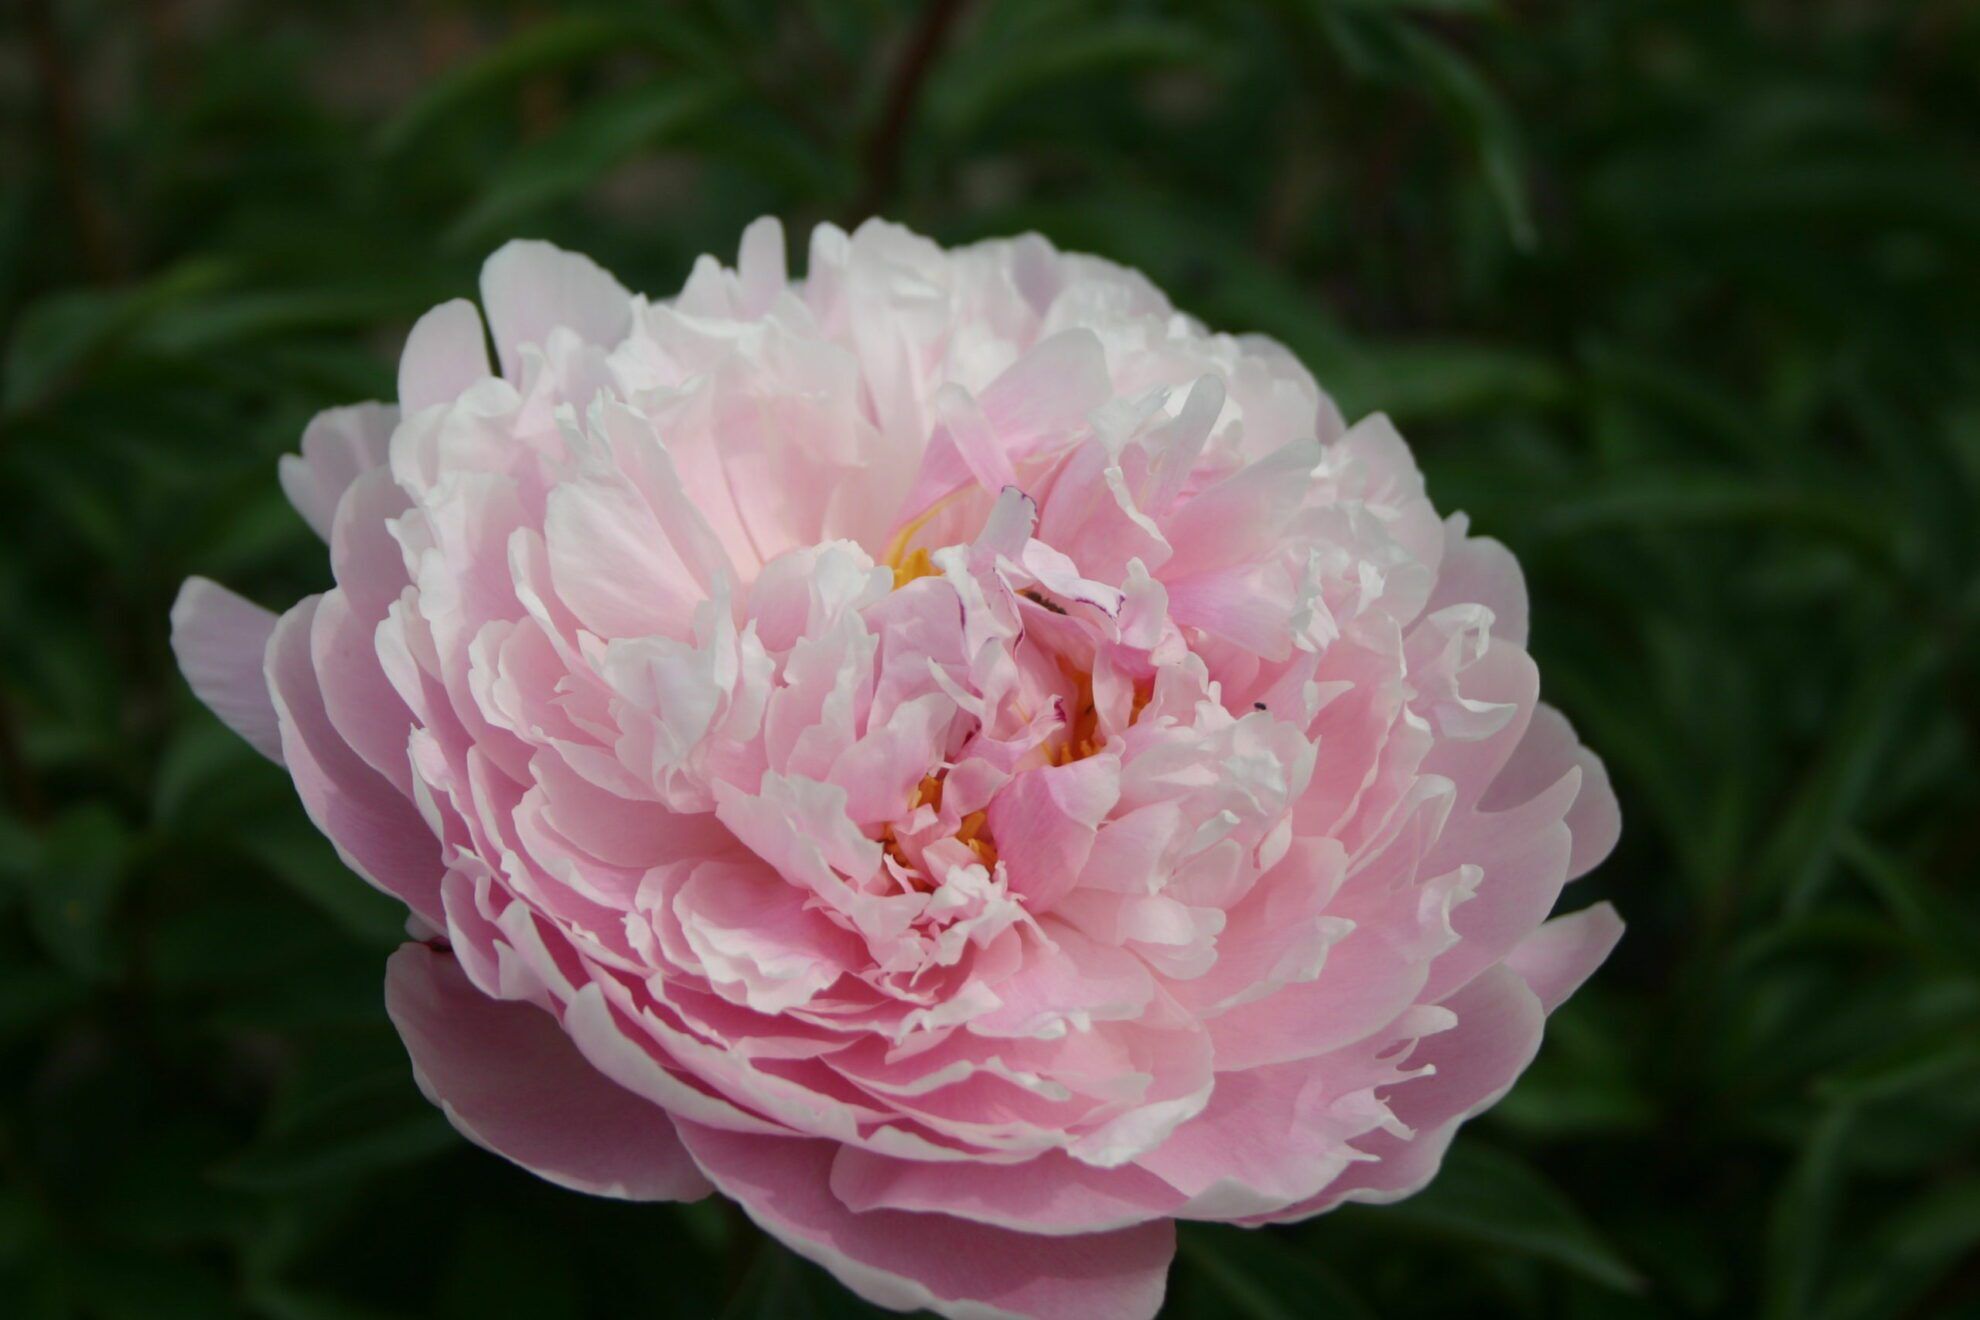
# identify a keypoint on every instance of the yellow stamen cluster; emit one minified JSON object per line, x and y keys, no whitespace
{"x":917,"y":564}
{"x":911,"y":564}
{"x":971,"y":831}
{"x":1082,"y":737}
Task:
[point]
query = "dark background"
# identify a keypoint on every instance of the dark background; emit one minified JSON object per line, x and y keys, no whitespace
{"x":1677,"y":297}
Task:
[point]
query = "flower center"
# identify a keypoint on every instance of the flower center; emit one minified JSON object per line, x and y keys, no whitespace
{"x":911,"y":565}
{"x":972,"y":832}
{"x":1082,"y":737}
{"x":920,"y":858}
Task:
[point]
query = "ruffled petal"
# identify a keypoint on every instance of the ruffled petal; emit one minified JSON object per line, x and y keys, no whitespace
{"x":1053,"y":1194}
{"x":378,"y":832}
{"x":957,"y":1269}
{"x":508,"y":1077}
{"x":338,"y":446}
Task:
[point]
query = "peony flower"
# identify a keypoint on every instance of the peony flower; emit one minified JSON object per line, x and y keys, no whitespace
{"x":948,"y":752}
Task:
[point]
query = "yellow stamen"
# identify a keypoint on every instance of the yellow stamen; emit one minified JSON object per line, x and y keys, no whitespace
{"x":909,"y":565}
{"x":916,"y":565}
{"x":1083,"y":734}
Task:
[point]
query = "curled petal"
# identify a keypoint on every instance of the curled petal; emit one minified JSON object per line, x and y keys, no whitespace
{"x":962,"y":1270}
{"x":219,"y":640}
{"x":511,"y":1081}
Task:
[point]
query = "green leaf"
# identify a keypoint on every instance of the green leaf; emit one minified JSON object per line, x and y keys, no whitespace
{"x":609,"y":131}
{"x":1909,"y":1253}
{"x":1668,"y":499}
{"x":965,"y":92}
{"x":74,"y":885}
{"x":282,"y":1302}
{"x":32,"y":997}
{"x":345,"y":1131}
{"x":1260,"y":1275}
{"x":1803,"y":1217}
{"x":1426,"y":6}
{"x":1924,"y":911}
{"x":772,"y":1287}
{"x":1493,"y":1199}
{"x":1929,"y":1060}
{"x":1379,"y":42}
{"x":1494,"y":134}
{"x":120,"y":1284}
{"x":547,"y":46}
{"x":500,"y":1266}
{"x":305,"y":862}
{"x":1804,"y":844}
{"x":220,"y":320}
{"x":61,"y":336}
{"x":1424,"y":381}
{"x":207,"y":776}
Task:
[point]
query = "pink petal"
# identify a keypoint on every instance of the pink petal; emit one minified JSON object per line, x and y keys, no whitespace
{"x":931,"y":1261}
{"x":507,"y":1076}
{"x":1044,"y":822}
{"x":760,"y":265}
{"x":1364,"y":985}
{"x":338,"y":446}
{"x":1555,"y":959}
{"x":378,"y":832}
{"x":1480,"y":570}
{"x":1547,"y":751}
{"x":962,"y":424}
{"x":530,"y":288}
{"x":1524,"y":854}
{"x":1242,"y":517}
{"x":1272,"y":1137}
{"x":1251,"y":605}
{"x":1052,"y":1194}
{"x":752,"y":930}
{"x":444,"y":355}
{"x":614,"y":566}
{"x":364,"y":556}
{"x":219,"y":639}
{"x":359,"y":700}
{"x":1497,"y":1034}
{"x":1047,"y":394}
{"x":1279,"y":933}
{"x":1073,"y":978}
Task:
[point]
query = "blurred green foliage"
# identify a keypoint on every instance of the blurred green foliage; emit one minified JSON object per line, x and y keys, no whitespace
{"x":1680,"y":298}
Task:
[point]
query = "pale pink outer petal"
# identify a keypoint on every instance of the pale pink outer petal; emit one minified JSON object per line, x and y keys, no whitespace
{"x":1555,"y":959}
{"x":443,"y":355}
{"x":1052,"y":1194}
{"x":1480,"y":569}
{"x":1475,"y":1062}
{"x":377,"y":831}
{"x":219,"y":639}
{"x":962,"y":1270}
{"x":338,"y":446}
{"x":1548,"y":750}
{"x":530,"y":288}
{"x":508,"y":1077}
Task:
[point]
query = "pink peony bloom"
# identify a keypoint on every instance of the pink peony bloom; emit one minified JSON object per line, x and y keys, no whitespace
{"x":948,"y":752}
